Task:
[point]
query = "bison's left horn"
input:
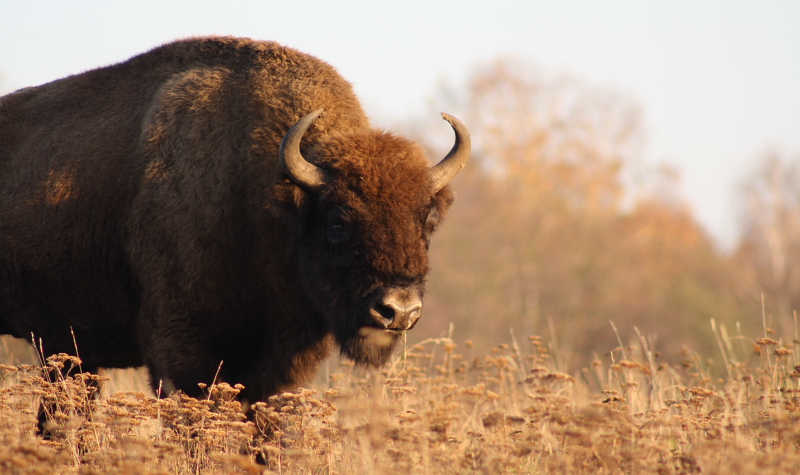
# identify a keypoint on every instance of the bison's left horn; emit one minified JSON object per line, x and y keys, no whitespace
{"x":305,"y":174}
{"x":448,"y":168}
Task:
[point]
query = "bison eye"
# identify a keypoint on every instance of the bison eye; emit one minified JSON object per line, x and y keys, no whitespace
{"x":338,"y":228}
{"x":337,"y":233}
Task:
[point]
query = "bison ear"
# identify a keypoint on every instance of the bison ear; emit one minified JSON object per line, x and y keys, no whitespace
{"x":288,"y":196}
{"x":299,"y":198}
{"x":441,"y":203}
{"x":289,"y":199}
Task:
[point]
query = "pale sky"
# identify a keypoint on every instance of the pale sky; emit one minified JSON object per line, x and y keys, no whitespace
{"x":718,"y":81}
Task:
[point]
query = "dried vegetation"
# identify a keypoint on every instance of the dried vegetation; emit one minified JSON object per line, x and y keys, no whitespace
{"x":437,"y":408}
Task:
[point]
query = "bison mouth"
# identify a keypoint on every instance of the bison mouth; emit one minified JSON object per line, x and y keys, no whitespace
{"x":378,"y":336}
{"x":369,"y":345}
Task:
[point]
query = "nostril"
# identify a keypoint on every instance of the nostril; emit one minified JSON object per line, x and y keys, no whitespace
{"x":383,"y":314}
{"x":413,"y":316}
{"x":387,"y":311}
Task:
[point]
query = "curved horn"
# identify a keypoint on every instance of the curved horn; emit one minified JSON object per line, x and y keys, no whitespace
{"x":444,"y":171}
{"x":305,"y":174}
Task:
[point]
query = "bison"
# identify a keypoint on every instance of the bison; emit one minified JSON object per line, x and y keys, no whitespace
{"x":194,"y":205}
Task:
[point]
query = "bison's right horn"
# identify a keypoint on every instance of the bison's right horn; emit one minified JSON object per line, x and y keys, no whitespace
{"x":448,"y":168}
{"x":305,"y":174}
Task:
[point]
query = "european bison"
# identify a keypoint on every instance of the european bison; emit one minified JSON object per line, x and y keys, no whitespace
{"x":194,"y":205}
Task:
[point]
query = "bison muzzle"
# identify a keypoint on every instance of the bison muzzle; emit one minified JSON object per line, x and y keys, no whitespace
{"x":214,"y":199}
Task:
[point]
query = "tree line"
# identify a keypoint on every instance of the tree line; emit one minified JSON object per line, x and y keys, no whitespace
{"x":560,"y":228}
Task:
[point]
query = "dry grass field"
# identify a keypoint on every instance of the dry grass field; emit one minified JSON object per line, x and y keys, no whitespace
{"x":437,"y":408}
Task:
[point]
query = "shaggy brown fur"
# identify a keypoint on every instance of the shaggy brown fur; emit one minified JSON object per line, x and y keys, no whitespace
{"x":143,"y":206}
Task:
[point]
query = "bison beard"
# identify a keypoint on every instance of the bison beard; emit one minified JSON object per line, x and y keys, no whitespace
{"x":194,"y":205}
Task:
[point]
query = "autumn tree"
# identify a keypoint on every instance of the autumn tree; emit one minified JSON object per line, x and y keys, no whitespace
{"x":770,"y":246}
{"x":551,"y":231}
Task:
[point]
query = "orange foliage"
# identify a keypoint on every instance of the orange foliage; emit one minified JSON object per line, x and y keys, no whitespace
{"x":769,"y":251}
{"x":546,"y":235}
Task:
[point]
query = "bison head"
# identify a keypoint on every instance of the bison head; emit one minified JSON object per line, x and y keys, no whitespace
{"x":369,"y":204}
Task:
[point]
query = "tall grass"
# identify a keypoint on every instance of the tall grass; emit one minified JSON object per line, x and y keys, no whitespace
{"x":437,"y":408}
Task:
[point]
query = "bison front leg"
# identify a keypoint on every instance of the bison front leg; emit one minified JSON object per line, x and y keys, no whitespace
{"x":178,"y":354}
